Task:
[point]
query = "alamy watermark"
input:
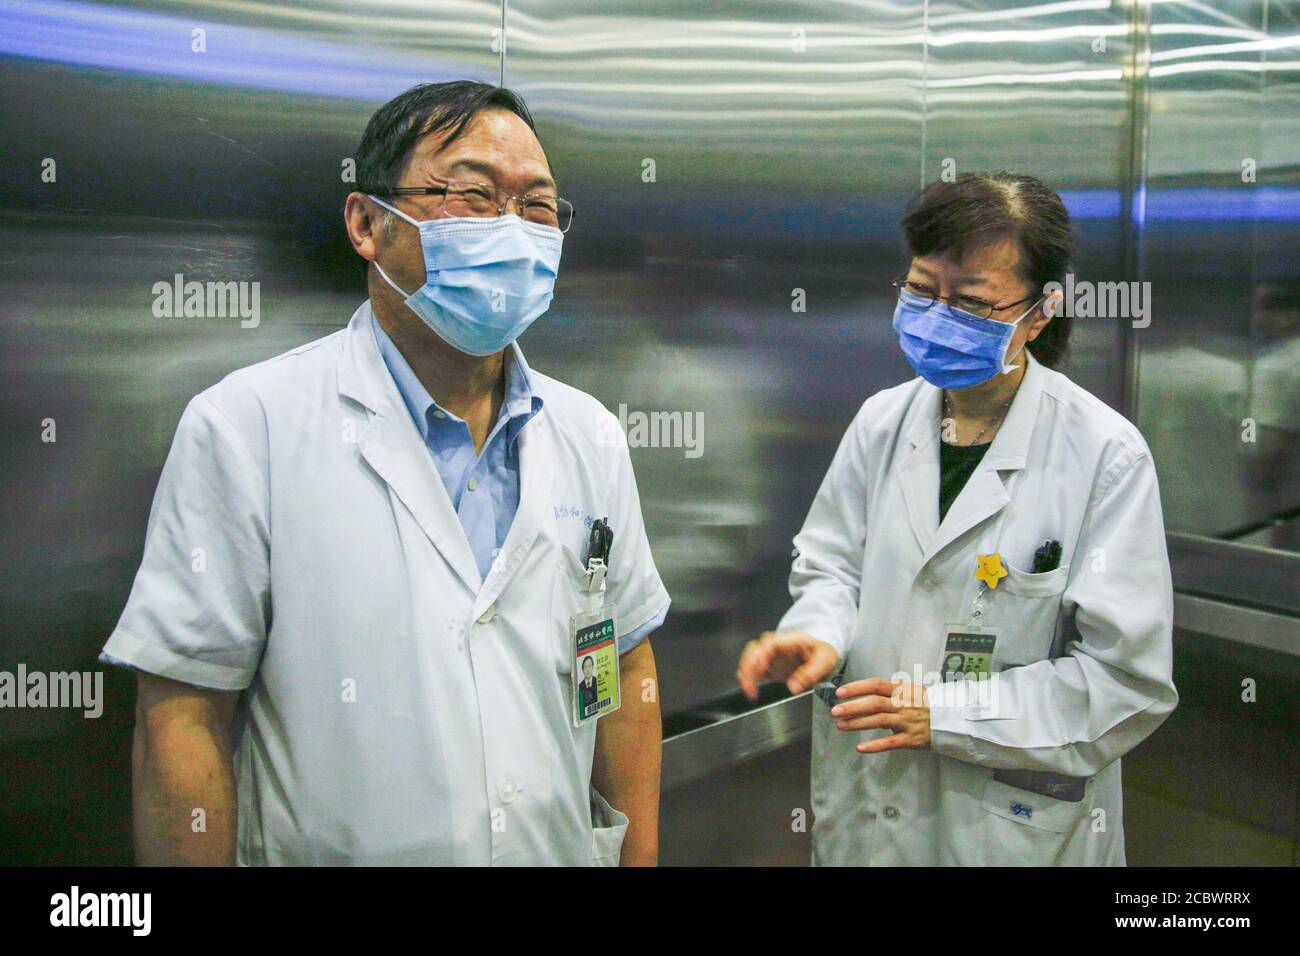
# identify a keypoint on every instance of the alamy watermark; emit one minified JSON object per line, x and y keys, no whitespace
{"x":208,"y":300}
{"x":75,"y":908}
{"x":76,"y":690}
{"x":972,"y":691}
{"x":637,"y":428}
{"x":1104,"y":300}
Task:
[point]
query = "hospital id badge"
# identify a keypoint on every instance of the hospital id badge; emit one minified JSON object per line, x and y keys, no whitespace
{"x":594,"y":677}
{"x":968,"y":652}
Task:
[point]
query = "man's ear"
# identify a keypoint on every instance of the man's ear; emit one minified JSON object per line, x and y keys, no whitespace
{"x":363,"y":221}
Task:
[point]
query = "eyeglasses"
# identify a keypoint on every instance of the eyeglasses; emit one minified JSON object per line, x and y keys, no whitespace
{"x":465,"y":200}
{"x":966,"y":303}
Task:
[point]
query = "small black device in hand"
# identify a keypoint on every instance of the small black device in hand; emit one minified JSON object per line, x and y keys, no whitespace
{"x":826,"y":689}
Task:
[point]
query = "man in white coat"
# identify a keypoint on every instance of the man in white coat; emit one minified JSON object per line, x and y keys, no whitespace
{"x":354,"y":621}
{"x":983,"y":570}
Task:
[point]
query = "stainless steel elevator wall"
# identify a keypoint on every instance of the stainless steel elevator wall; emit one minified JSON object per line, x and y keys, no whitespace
{"x":1219,"y":368}
{"x":738,"y":170}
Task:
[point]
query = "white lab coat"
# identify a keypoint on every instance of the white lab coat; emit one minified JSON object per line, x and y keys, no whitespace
{"x":397,"y":710}
{"x":1083,"y":660}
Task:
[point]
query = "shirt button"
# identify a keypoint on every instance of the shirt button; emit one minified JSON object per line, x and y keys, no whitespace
{"x":488,"y":614}
{"x":439,"y":413}
{"x":508,"y":791}
{"x":929,"y":583}
{"x":891,"y":812}
{"x":473,"y":483}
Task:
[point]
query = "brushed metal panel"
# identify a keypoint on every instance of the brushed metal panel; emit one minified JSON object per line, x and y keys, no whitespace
{"x":1272,"y":632}
{"x":1219,"y":376}
{"x":785,"y":139}
{"x":1244,"y":573}
{"x":734,"y":738}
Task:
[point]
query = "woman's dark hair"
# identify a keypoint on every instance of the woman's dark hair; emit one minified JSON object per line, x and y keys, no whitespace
{"x":427,"y":108}
{"x":951,"y":219}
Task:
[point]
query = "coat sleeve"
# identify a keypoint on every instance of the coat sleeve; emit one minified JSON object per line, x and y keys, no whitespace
{"x":1080,"y":712}
{"x":200,"y":607}
{"x":826,"y":573}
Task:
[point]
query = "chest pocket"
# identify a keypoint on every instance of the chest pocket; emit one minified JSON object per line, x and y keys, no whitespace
{"x":1026,"y":609}
{"x":568,"y":597}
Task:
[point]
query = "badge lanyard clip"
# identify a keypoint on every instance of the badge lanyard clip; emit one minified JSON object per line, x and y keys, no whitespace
{"x":977,"y":606}
{"x":595,"y":583}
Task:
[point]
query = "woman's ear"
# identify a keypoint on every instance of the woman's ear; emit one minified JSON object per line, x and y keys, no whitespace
{"x":1053,"y":300}
{"x":1048,"y":309}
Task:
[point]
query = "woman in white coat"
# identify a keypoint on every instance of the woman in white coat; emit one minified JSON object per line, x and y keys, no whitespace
{"x":983,"y":572}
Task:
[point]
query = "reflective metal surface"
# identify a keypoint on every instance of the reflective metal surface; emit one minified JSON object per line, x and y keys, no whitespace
{"x":1219,"y":373}
{"x":739,"y":170}
{"x":1219,"y":783}
{"x":1249,"y":574}
{"x":1245,"y":625}
{"x":732,"y":731}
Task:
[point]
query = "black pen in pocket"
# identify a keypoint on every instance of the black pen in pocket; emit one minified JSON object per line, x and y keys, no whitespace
{"x":1047,"y":557}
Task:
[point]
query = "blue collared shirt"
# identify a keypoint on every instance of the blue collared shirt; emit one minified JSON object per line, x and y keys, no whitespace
{"x":484,"y":486}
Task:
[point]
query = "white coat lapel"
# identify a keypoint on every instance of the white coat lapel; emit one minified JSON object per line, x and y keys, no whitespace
{"x":919,"y":471}
{"x":391,"y":444}
{"x":986,"y":492}
{"x":985,"y":495}
{"x":537,"y":462}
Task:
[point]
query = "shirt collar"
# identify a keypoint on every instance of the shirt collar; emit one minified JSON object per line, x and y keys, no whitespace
{"x":520,"y":405}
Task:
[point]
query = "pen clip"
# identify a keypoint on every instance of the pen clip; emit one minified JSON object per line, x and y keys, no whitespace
{"x":599,"y":542}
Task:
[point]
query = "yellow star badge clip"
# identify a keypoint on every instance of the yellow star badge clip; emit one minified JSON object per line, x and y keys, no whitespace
{"x":990,"y":569}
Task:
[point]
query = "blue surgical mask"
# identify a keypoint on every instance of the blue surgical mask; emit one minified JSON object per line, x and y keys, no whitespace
{"x":486,"y":280}
{"x":954,"y":349}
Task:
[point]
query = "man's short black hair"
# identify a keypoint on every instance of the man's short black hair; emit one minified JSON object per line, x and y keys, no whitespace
{"x":428,"y":108}
{"x":951,"y":219}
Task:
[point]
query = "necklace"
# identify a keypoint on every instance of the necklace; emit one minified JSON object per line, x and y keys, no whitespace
{"x":993,"y":421}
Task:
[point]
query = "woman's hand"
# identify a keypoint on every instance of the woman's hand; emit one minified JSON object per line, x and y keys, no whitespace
{"x":797,"y":658}
{"x":875,"y":704}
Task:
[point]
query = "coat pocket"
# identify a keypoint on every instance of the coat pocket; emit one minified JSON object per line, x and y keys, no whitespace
{"x":1034,"y":811}
{"x":1026,"y":829}
{"x":1045,"y":584}
{"x":1026,"y":608}
{"x":608,"y":827}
